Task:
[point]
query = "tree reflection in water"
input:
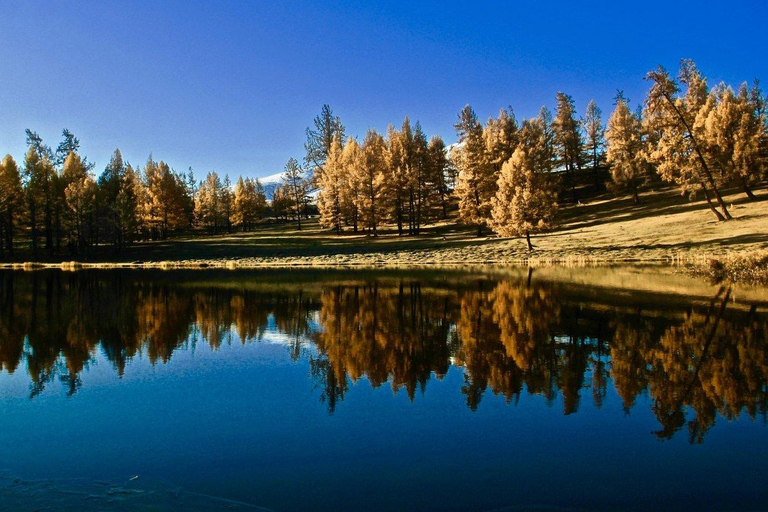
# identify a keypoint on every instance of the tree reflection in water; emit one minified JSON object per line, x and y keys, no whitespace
{"x":510,"y":336}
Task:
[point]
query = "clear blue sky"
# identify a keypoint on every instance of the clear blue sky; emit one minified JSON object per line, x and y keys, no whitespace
{"x":231,"y":86}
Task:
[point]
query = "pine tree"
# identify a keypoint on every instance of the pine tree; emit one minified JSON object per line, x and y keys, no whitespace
{"x":127,"y":205}
{"x":330,"y":184}
{"x":500,"y":137}
{"x":369,"y":178}
{"x":733,"y":132}
{"x":437,"y":181}
{"x":110,"y":183}
{"x":678,"y":149}
{"x":77,"y":201}
{"x":595,"y":138}
{"x":69,"y":144}
{"x":242,"y":205}
{"x":281,"y":202}
{"x":319,"y":140}
{"x":418,"y":191}
{"x":39,"y":176}
{"x":260,"y":201}
{"x":397,"y":174}
{"x":525,"y":201}
{"x":80,"y":197}
{"x":567,"y":138}
{"x":11,"y":203}
{"x":293,"y":177}
{"x":209,"y":207}
{"x":625,"y":154}
{"x":226,"y":203}
{"x":168,"y":203}
{"x":349,"y":194}
{"x":406,"y":174}
{"x":476,"y":183}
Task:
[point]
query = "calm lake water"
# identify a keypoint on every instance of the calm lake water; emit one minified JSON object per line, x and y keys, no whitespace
{"x":555,"y":389}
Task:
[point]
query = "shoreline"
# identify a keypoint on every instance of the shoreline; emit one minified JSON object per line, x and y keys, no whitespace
{"x":747,"y":266}
{"x":665,"y":229}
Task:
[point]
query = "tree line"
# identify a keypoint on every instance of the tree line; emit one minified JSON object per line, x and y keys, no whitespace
{"x":510,"y":176}
{"x":57,"y":203}
{"x":502,"y":175}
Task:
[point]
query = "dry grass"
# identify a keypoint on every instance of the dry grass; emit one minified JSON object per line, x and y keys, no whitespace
{"x":666,"y":228}
{"x":745,"y":268}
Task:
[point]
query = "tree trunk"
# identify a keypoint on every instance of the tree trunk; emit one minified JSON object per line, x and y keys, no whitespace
{"x":572,"y":175}
{"x":528,"y":239}
{"x":33,"y":226}
{"x":711,"y":206}
{"x":747,"y":190}
{"x":9,"y":233}
{"x":637,"y":198}
{"x":702,"y":161}
{"x":720,"y":200}
{"x":594,"y":168}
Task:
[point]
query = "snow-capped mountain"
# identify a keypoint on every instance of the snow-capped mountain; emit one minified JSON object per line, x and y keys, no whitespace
{"x":271,"y":182}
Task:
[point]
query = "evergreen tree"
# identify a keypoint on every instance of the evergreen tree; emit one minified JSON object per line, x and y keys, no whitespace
{"x":226,"y":204}
{"x":11,"y":203}
{"x":420,"y":194}
{"x":331,"y":181}
{"x":209,"y":207}
{"x":260,"y":202}
{"x":567,"y":138}
{"x":80,"y":197}
{"x":595,"y":138}
{"x":319,"y":140}
{"x":281,"y":202}
{"x":293,"y":177}
{"x":69,"y":144}
{"x":733,"y":132}
{"x":398,"y":174}
{"x":243,"y":205}
{"x":127,"y":205}
{"x":625,"y":154}
{"x":369,"y":178}
{"x":525,"y":201}
{"x":77,"y":201}
{"x":110,"y":183}
{"x":438,"y":182}
{"x":39,"y":177}
{"x":500,"y":137}
{"x":678,"y":149}
{"x":167,"y":199}
{"x":476,"y":183}
{"x":350,"y":195}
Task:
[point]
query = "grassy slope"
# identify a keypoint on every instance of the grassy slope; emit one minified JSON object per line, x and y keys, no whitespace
{"x":665,"y":227}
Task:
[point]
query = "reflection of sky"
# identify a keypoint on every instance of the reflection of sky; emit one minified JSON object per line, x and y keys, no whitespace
{"x":245,"y":422}
{"x":187,"y":359}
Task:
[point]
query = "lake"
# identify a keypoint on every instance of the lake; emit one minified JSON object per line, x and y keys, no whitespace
{"x":509,"y":389}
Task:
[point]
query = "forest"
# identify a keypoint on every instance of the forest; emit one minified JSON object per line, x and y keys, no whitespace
{"x":503,"y":176}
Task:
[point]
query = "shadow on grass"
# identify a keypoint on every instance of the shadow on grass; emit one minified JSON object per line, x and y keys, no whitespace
{"x":664,"y":202}
{"x":280,"y":241}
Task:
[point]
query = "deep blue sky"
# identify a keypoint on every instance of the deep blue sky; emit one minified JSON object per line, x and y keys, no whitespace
{"x":231,"y":86}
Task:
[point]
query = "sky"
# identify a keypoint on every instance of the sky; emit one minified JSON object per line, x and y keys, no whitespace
{"x":231,"y":86}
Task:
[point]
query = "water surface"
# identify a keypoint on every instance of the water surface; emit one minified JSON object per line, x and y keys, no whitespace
{"x":560,"y":389}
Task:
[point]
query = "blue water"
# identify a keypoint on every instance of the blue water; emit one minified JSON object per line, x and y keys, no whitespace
{"x":246,"y":422}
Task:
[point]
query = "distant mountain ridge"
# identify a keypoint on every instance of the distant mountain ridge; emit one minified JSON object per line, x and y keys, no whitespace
{"x":271,"y":182}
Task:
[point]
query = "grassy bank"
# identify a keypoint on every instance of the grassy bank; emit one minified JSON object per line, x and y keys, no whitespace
{"x":665,"y":227}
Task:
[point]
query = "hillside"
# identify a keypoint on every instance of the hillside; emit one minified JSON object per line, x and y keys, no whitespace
{"x":665,"y":227}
